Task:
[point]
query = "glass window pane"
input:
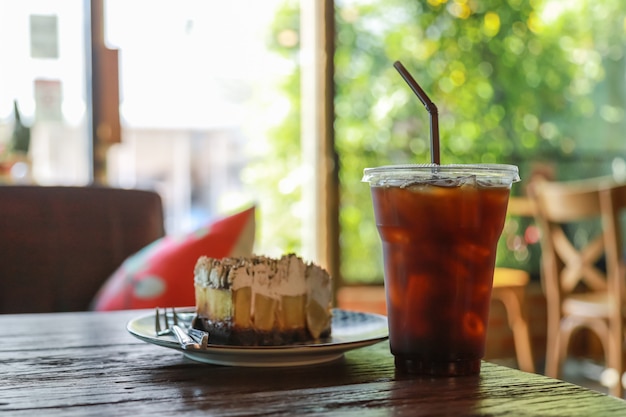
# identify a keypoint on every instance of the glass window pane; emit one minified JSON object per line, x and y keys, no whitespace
{"x":537,"y":84}
{"x":200,"y":93}
{"x":42,"y":70}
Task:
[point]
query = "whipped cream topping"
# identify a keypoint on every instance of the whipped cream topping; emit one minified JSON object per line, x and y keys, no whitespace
{"x":273,"y":278}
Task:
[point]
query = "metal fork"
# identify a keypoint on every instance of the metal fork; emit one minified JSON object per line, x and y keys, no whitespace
{"x":188,"y":338}
{"x":157,"y":321}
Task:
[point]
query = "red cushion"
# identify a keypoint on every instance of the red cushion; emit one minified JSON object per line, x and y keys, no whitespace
{"x":161,"y":274}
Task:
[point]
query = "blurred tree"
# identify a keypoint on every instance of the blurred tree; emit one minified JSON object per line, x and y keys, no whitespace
{"x":515,"y":81}
{"x":275,"y":171}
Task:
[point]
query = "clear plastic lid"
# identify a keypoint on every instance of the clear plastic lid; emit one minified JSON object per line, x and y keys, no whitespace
{"x":488,"y":174}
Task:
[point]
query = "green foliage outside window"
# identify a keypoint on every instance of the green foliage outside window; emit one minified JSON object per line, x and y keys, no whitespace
{"x":521,"y":82}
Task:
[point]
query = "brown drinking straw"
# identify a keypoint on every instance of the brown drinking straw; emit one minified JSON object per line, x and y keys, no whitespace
{"x":430,"y":106}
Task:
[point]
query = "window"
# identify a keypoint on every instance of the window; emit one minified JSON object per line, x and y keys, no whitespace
{"x":197,"y":97}
{"x":537,"y":84}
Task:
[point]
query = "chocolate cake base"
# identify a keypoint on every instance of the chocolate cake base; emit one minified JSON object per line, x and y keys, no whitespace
{"x":224,"y":333}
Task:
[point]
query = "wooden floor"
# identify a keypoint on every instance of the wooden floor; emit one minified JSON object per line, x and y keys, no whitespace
{"x":584,"y":373}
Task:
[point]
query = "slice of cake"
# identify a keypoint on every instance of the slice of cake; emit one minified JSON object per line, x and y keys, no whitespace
{"x":261,"y":301}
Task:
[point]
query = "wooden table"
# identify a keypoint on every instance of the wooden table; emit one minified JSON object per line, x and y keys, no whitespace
{"x":84,"y":364}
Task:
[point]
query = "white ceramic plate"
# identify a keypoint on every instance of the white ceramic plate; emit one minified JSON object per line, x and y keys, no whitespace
{"x":350,"y":330}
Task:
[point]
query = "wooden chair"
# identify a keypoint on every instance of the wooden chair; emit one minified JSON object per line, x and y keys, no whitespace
{"x":578,"y":293}
{"x":59,"y":244}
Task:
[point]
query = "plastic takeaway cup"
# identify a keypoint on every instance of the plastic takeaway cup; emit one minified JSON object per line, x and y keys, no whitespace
{"x":439,"y":226}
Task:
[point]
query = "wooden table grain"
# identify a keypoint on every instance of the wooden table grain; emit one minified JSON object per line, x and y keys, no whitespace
{"x":86,"y":364}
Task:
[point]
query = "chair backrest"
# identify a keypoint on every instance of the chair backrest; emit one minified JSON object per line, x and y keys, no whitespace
{"x":613,"y":205}
{"x":520,"y":206}
{"x":567,"y":267}
{"x":59,"y":244}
